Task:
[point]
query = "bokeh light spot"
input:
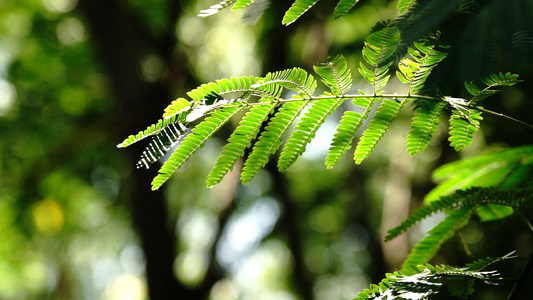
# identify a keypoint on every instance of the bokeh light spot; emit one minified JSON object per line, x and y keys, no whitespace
{"x":7,"y":97}
{"x":152,"y":68}
{"x":60,"y":6}
{"x":70,"y":31}
{"x":190,"y":267}
{"x":48,"y":216}
{"x":126,"y":287}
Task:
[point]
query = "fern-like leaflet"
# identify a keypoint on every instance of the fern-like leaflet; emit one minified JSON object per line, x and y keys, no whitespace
{"x":378,"y":126}
{"x":295,"y":79}
{"x":239,"y":140}
{"x":424,"y":57}
{"x":297,"y":9}
{"x":405,"y":5}
{"x":460,"y":206}
{"x":161,"y":143}
{"x":421,"y":282}
{"x":270,"y":139}
{"x":306,"y":130}
{"x":149,"y":131}
{"x":475,"y":196}
{"x":463,"y":125}
{"x":423,"y":125}
{"x":194,"y":141}
{"x":380,"y":45}
{"x":414,"y":71}
{"x":494,"y":80}
{"x":428,"y":247}
{"x":503,"y":168}
{"x":343,"y":7}
{"x":335,"y":74}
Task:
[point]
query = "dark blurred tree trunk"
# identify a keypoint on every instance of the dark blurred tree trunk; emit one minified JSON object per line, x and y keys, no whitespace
{"x":121,"y":43}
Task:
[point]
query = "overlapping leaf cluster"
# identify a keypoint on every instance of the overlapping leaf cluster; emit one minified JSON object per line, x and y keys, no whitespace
{"x":190,"y":123}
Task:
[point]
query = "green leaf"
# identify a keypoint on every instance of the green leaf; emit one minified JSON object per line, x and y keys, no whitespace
{"x":295,"y":79}
{"x":306,"y":130}
{"x":423,"y":281}
{"x":424,"y":58}
{"x":343,"y":7}
{"x":462,"y":130}
{"x":149,"y":131}
{"x":475,"y":196}
{"x":239,"y":140}
{"x":428,"y":247}
{"x":194,"y":141}
{"x":494,"y":80}
{"x":346,"y":130}
{"x":224,"y":86}
{"x":298,"y":8}
{"x":491,"y":169}
{"x":161,"y":143}
{"x":344,"y":135}
{"x":270,"y":139}
{"x":240,"y":4}
{"x":380,"y":45}
{"x":335,"y":74}
{"x":423,"y":125}
{"x":377,"y":127}
{"x":404,"y":5}
{"x":177,"y":107}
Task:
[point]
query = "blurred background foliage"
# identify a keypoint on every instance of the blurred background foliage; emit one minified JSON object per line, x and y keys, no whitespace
{"x":77,"y":221}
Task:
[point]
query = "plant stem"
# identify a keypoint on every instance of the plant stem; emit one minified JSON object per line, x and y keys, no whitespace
{"x":503,"y":116}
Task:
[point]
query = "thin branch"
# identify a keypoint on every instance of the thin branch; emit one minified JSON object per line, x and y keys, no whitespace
{"x":503,"y":116}
{"x":389,"y":96}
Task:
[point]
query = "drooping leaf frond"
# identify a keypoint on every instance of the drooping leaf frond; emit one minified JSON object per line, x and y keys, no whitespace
{"x":306,"y":130}
{"x":424,"y":57}
{"x":149,"y":131}
{"x":295,"y":79}
{"x":335,"y":74}
{"x":177,"y":107}
{"x":343,"y":7}
{"x":428,"y":247}
{"x":297,"y":9}
{"x":423,"y":125}
{"x":463,"y":125}
{"x":239,"y":140}
{"x":378,"y":126}
{"x":270,"y":139}
{"x":405,"y":5}
{"x":491,"y":82}
{"x":221,"y":87}
{"x":380,"y":45}
{"x":344,"y":135}
{"x":475,"y":196}
{"x":161,"y":143}
{"x":346,"y":130}
{"x":484,"y":263}
{"x":421,"y":282}
{"x":194,"y":141}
